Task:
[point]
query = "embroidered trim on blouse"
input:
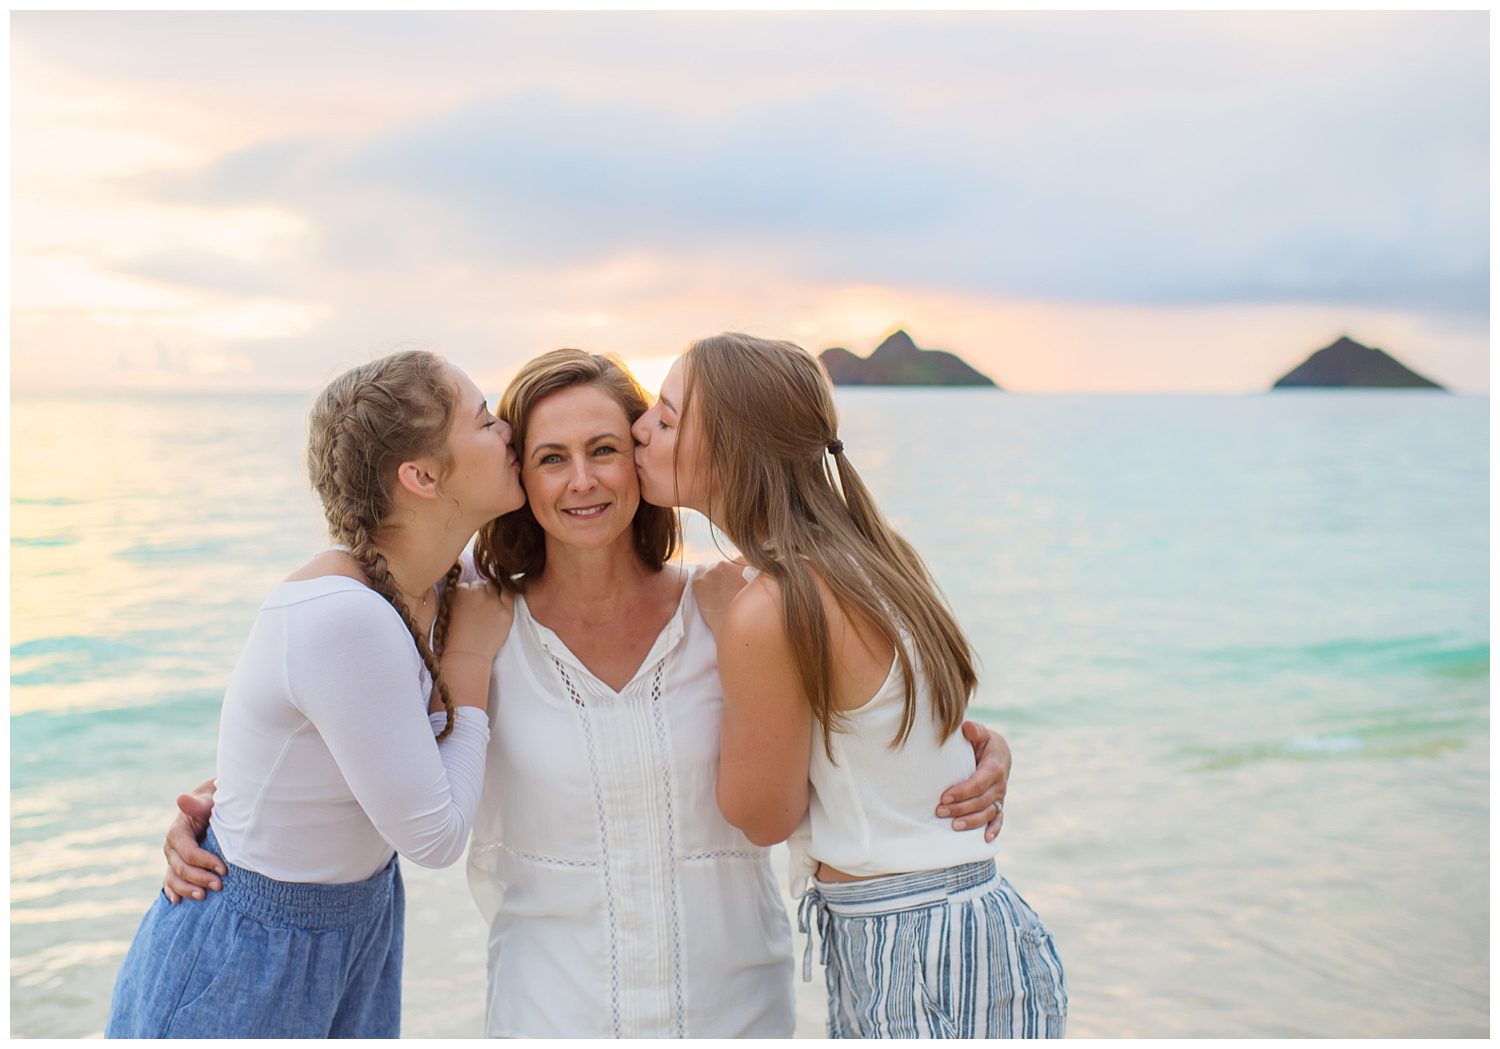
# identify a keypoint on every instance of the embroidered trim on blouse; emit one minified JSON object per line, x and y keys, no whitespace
{"x":609,"y":889}
{"x":722,"y":854}
{"x":672,"y":868}
{"x":551,"y":861}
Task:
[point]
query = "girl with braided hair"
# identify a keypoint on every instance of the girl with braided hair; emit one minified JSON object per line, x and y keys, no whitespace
{"x":846,"y":677}
{"x":342,"y":740}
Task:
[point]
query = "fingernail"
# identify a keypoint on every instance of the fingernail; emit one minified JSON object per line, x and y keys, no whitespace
{"x":214,"y":886}
{"x":197,"y":894}
{"x":943,"y":812}
{"x":221,"y":871}
{"x":960,"y":825}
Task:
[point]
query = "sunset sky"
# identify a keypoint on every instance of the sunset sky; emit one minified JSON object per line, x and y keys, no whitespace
{"x":1073,"y":202}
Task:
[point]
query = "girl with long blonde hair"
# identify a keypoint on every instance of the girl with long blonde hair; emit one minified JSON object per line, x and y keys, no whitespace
{"x":846,"y":677}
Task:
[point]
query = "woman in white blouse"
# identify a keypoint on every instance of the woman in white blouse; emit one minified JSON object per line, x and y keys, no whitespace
{"x":620,"y":902}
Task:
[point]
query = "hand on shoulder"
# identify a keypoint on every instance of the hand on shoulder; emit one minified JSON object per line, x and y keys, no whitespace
{"x":715,"y":588}
{"x":480,"y":619}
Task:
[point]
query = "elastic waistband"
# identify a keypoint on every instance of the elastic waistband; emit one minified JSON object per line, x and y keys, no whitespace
{"x":304,"y":905}
{"x":901,"y":892}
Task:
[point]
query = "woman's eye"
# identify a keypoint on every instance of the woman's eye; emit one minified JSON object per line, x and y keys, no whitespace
{"x":489,"y":424}
{"x":548,"y":460}
{"x":605,"y":449}
{"x":661,"y":424}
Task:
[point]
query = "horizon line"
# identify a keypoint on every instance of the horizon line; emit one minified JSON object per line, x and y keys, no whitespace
{"x":74,"y":390}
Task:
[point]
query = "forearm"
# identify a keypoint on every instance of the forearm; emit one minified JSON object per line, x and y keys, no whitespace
{"x":438,"y":837}
{"x":762,"y":786}
{"x":467,"y":675}
{"x":761,"y":823}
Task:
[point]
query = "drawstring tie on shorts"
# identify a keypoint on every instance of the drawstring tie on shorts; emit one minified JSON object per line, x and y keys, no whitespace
{"x":812,"y":910}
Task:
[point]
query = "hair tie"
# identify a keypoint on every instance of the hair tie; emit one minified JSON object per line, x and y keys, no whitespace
{"x":835,"y":447}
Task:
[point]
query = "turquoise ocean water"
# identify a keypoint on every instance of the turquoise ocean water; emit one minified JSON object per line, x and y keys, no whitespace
{"x":1240,"y":646}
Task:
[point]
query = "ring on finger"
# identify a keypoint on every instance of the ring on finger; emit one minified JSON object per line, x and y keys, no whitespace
{"x":999,"y":808}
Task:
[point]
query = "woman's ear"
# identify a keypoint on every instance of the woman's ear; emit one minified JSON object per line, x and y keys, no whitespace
{"x":419,"y":477}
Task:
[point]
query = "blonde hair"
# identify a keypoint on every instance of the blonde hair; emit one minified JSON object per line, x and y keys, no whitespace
{"x":362,"y":426}
{"x":767,"y":425}
{"x":512,"y":549}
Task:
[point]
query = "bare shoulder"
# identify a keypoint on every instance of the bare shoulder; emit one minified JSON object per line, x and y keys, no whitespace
{"x":756,"y":657}
{"x":755,"y":612}
{"x":327,"y":563}
{"x":861,"y":652}
{"x":761,"y":598}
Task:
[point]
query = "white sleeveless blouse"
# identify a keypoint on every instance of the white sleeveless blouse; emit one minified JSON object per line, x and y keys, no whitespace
{"x":620,"y":902}
{"x":871,"y":809}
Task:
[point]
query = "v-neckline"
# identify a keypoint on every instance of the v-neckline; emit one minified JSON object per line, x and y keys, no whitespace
{"x":546,"y":634}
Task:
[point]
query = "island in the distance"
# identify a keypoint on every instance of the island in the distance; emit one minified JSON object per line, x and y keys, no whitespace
{"x":1349,"y":363}
{"x":899,"y":362}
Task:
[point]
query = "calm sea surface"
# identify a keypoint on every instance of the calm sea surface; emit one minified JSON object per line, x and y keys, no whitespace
{"x":1240,"y":646}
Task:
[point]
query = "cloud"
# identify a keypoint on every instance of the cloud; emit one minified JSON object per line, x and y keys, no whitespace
{"x":207,"y":271}
{"x":494,"y":178}
{"x":1315,"y":202}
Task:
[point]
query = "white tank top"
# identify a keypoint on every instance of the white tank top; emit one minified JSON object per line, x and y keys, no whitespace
{"x":871,"y":809}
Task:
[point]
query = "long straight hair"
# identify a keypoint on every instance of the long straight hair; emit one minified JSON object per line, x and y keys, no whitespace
{"x":784,"y":491}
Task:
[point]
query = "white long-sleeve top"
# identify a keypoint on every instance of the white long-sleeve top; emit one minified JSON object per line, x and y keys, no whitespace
{"x":620,"y":902}
{"x":327,"y":757}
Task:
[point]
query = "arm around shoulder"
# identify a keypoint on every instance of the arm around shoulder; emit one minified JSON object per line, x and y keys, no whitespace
{"x":766,"y":738}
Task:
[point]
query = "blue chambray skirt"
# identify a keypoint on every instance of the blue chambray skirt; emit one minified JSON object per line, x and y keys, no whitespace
{"x":951,"y":953}
{"x":266,"y":959}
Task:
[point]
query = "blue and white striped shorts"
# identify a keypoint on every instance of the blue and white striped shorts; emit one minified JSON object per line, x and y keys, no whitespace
{"x":952,"y":953}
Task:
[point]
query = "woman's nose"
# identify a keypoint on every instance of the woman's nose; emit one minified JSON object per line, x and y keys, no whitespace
{"x":640,"y":431}
{"x":582,"y":479}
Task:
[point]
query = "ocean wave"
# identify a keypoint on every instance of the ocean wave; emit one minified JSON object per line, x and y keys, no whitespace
{"x":63,"y":539}
{"x":1442,"y":655}
{"x":53,"y":501}
{"x":173,"y":551}
{"x":1414,"y":739}
{"x":73,"y":657}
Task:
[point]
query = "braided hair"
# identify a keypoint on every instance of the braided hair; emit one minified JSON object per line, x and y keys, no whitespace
{"x":362,"y":426}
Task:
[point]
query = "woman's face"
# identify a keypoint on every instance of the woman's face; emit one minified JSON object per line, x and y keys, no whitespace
{"x":578,"y":469}
{"x":669,"y":460}
{"x":483,"y":472}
